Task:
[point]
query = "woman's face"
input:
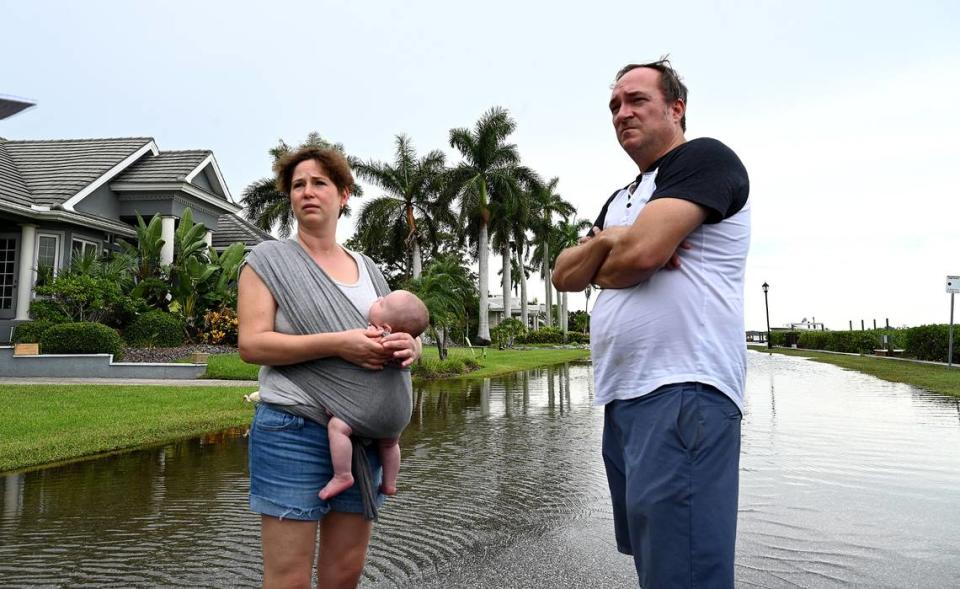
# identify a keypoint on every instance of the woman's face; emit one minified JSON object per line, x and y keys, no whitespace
{"x":313,"y":195}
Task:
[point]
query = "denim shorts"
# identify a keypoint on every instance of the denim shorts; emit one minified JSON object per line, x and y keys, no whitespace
{"x":290,"y":463}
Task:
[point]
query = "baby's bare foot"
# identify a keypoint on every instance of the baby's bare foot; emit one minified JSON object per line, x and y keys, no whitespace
{"x":338,"y":484}
{"x":388,"y":489}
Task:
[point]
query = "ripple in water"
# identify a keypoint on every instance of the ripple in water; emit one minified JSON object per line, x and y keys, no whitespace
{"x":846,"y":481}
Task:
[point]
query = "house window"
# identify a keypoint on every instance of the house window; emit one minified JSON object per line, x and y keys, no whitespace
{"x":81,"y":247}
{"x":8,"y":259}
{"x":48,"y":253}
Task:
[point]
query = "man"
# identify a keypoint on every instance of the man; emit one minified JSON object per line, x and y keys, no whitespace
{"x":669,"y":356}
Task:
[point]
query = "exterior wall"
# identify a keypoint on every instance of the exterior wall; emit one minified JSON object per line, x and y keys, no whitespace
{"x":102,"y":202}
{"x":90,"y":366}
{"x":202,"y":181}
{"x":149,"y":204}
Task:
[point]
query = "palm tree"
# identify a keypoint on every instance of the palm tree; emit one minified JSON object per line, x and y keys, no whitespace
{"x":413,"y":207}
{"x":519,"y":273}
{"x":546,"y":200}
{"x":268,"y":208}
{"x":445,"y":288}
{"x":490,"y":172}
{"x":567,"y":234}
{"x":508,"y":223}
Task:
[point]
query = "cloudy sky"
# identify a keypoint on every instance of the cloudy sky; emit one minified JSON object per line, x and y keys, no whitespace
{"x":846,"y":114}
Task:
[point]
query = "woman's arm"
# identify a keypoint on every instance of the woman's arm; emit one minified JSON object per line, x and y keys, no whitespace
{"x":259,"y":343}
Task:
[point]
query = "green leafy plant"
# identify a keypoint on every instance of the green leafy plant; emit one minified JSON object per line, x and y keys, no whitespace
{"x":155,"y":329}
{"x":82,"y":337}
{"x":30,"y":332}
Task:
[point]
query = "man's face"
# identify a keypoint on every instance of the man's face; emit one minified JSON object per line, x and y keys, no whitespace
{"x":645,"y":123}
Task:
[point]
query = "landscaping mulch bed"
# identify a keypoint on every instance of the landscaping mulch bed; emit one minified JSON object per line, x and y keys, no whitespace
{"x":172,"y":354}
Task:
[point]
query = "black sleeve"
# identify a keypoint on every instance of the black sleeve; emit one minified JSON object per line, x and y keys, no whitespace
{"x":708,"y":173}
{"x":602,"y":218}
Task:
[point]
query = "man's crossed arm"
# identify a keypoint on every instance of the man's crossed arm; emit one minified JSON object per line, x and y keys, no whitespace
{"x":620,"y":257}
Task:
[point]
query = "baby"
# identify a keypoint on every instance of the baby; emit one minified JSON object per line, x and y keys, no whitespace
{"x":400,"y":311}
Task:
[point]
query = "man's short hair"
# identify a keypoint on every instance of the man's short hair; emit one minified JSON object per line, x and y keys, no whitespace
{"x":333,"y":163}
{"x":671,"y":86}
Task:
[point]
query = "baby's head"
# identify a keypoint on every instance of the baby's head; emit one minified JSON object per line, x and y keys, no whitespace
{"x":400,"y":311}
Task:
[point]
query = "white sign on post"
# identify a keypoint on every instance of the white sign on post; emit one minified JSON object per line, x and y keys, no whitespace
{"x":953,"y":284}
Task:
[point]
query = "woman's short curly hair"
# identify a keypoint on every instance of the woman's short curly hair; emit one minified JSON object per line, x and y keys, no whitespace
{"x":333,"y":163}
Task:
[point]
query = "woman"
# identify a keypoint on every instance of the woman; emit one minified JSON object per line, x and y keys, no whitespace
{"x":289,"y":451}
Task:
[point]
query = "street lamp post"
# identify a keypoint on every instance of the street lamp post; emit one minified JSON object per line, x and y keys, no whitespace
{"x":766,"y":305}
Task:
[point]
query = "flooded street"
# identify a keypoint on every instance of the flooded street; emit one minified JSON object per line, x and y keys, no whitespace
{"x":845,"y":481}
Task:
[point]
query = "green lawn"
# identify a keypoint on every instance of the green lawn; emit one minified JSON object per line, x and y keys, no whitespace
{"x":40,"y":424}
{"x":492,"y":361}
{"x":938,"y":379}
{"x":43,"y":424}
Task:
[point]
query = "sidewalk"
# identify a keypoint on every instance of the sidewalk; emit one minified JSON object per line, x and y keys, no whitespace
{"x":763,"y":348}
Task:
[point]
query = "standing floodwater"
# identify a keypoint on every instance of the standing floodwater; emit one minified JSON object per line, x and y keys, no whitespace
{"x":845,"y":481}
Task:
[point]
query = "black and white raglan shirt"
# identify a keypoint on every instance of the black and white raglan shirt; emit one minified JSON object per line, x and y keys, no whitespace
{"x":683,"y":325}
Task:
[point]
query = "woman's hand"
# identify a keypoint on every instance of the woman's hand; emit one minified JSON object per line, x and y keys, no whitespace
{"x":364,"y":348}
{"x":405,"y":349}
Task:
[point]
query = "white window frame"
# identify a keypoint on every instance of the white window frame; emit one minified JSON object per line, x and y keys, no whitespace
{"x":58,"y":253}
{"x":84,"y":241}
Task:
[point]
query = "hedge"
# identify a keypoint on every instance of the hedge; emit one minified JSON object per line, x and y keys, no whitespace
{"x":155,"y":329}
{"x":30,"y":332}
{"x":926,"y":342}
{"x":82,"y":337}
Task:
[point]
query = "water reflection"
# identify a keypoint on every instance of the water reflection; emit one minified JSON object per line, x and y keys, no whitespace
{"x":846,"y":480}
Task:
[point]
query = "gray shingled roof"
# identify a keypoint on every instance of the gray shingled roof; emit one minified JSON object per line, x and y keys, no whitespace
{"x":167,"y":166}
{"x":231,"y":229}
{"x":11,"y":105}
{"x":12,"y":188}
{"x":56,"y":170}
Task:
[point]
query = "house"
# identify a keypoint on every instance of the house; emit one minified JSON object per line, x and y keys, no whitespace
{"x":805,"y":325}
{"x":536,"y":313}
{"x":59,"y":198}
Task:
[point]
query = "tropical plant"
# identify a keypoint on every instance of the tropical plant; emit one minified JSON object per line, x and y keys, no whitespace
{"x":489,"y":172}
{"x":446,"y":288}
{"x":149,"y":279}
{"x":222,"y":290}
{"x":90,"y":289}
{"x":267,"y":207}
{"x":567,"y":234}
{"x":545,"y":200}
{"x":413,"y":209}
{"x":507,"y":331}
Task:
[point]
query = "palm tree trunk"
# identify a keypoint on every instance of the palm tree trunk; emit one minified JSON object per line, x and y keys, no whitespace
{"x":505,"y":260}
{"x":523,"y":292}
{"x":483,"y":329}
{"x":547,"y":285}
{"x":417,"y":262}
{"x":563,"y":311}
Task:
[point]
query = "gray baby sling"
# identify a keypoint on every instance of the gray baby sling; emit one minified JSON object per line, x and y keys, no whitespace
{"x":375,"y":403}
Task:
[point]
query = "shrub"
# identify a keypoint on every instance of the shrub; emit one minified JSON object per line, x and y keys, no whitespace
{"x":87,"y":298}
{"x":82,"y":338}
{"x":931,"y":342}
{"x":30,"y":332}
{"x":220,"y":327}
{"x":544,"y":335}
{"x":155,"y":329}
{"x":48,"y":311}
{"x":430,"y":368}
{"x":577,"y":337}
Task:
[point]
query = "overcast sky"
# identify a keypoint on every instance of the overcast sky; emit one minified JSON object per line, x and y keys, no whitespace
{"x":847,"y":117}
